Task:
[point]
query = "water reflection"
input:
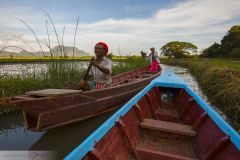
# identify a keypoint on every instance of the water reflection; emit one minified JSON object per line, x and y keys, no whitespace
{"x":28,"y":68}
{"x":188,"y":78}
{"x":63,"y":140}
{"x":13,"y":135}
{"x":38,"y":67}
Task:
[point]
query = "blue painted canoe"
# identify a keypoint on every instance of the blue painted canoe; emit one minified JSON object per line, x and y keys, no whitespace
{"x":166,"y":120}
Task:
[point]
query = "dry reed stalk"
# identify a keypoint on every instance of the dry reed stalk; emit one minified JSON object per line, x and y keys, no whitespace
{"x":33,"y":34}
{"x":75,"y":37}
{"x":53,"y":28}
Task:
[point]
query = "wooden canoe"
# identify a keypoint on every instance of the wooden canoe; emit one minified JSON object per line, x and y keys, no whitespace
{"x":47,"y":109}
{"x":165,"y":121}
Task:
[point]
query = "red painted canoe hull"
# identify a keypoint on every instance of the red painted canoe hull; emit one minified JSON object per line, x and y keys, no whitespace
{"x":155,"y":129}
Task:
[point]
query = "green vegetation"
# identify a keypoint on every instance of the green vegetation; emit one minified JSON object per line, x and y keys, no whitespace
{"x":229,"y":47}
{"x":216,"y":62}
{"x":178,"y":49}
{"x":58,"y":75}
{"x":129,"y":64}
{"x":49,"y":59}
{"x":219,"y":80}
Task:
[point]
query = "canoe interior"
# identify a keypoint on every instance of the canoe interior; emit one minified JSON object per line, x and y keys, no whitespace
{"x":43,"y":113}
{"x":165,"y":124}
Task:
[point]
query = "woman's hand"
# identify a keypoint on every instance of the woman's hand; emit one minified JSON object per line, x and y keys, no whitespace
{"x":93,"y":62}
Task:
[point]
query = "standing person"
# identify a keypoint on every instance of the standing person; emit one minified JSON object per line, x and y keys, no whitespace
{"x":155,"y":62}
{"x":101,"y":69}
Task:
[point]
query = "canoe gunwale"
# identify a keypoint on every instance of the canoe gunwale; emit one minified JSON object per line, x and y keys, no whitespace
{"x":28,"y":106}
{"x":20,"y":102}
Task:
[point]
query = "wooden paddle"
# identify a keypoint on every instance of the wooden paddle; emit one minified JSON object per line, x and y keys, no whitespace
{"x":88,"y":70}
{"x":143,"y":60}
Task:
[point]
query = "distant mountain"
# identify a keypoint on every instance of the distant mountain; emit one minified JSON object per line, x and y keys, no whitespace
{"x":56,"y":51}
{"x":7,"y":54}
{"x":68,"y":51}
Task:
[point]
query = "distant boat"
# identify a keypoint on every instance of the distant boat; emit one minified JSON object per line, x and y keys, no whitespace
{"x":165,"y":121}
{"x":51,"y":108}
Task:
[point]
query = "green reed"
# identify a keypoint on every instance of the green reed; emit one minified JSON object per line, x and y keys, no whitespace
{"x":58,"y":75}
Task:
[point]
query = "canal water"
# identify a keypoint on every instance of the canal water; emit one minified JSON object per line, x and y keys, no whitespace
{"x":37,"y":67}
{"x":13,"y":135}
{"x":29,"y":68}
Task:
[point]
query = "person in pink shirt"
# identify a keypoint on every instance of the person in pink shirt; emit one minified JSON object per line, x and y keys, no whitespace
{"x":154,"y":60}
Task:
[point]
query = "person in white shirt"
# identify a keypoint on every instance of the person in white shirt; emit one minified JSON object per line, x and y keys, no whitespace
{"x":101,"y":69}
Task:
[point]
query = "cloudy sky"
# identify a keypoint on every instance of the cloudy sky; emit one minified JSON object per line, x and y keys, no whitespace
{"x":127,"y":26}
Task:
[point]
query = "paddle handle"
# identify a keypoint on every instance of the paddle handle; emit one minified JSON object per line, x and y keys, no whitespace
{"x":88,"y":70}
{"x":143,"y":60}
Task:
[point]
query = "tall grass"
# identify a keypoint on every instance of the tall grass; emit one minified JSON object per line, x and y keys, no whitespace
{"x":130,"y":63}
{"x":58,"y":75}
{"x":232,"y":64}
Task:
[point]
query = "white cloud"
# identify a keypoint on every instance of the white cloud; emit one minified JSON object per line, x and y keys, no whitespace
{"x":200,"y":22}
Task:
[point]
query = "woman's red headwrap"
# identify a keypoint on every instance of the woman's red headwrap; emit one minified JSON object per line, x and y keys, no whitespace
{"x":104,"y":46}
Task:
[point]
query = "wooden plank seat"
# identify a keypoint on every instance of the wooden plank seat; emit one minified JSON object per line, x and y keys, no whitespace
{"x":154,"y":146}
{"x":148,"y":154}
{"x":24,"y":97}
{"x":167,"y":114}
{"x":149,"y":72}
{"x":53,"y":92}
{"x":124,"y":81}
{"x":143,"y":76}
{"x":170,"y":127}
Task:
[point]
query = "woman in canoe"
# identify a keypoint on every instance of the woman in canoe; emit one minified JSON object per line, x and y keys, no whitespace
{"x":155,"y":63}
{"x":101,"y":69}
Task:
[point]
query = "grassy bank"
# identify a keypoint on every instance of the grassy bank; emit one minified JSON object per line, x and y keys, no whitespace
{"x":219,"y":80}
{"x":58,"y":75}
